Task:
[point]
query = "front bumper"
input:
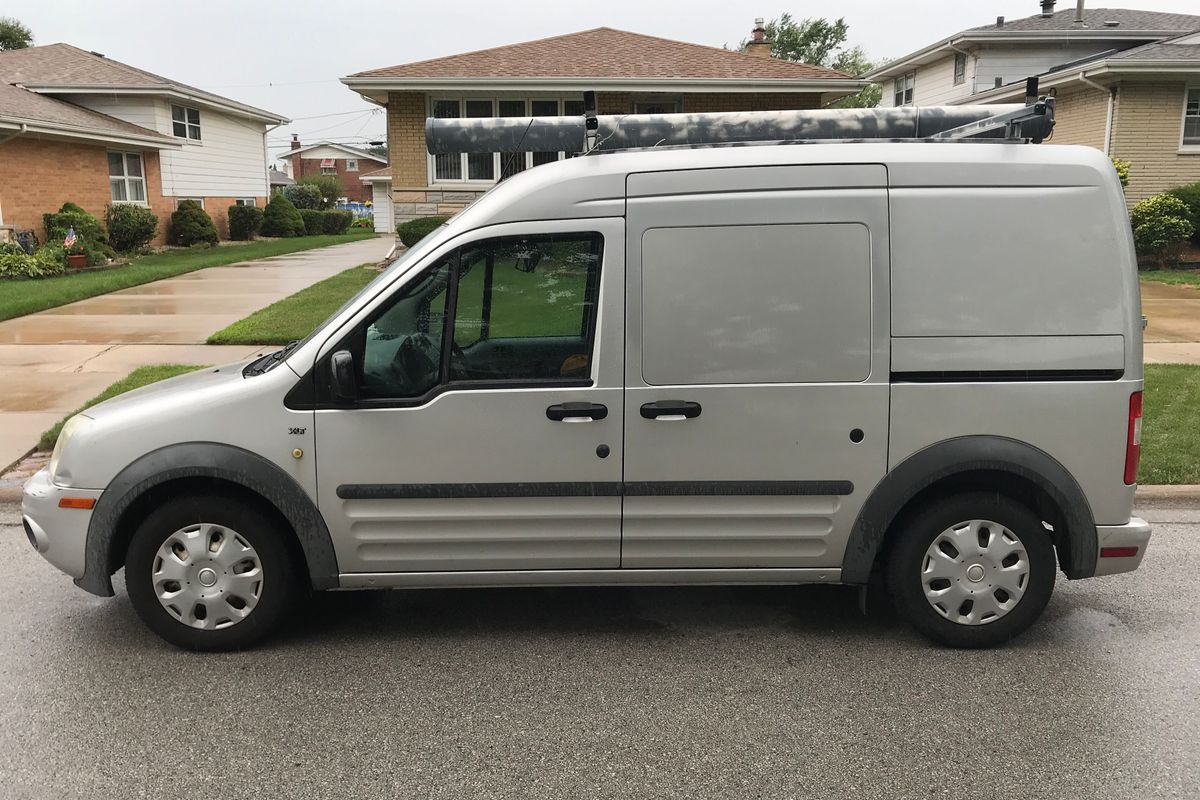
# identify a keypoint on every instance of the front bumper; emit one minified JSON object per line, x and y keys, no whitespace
{"x":1133,"y":534}
{"x":59,"y":534}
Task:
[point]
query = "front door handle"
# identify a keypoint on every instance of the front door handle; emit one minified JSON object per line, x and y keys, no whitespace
{"x":671,"y":410}
{"x":577,"y":412}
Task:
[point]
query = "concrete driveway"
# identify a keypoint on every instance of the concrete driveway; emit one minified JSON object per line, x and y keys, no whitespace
{"x":54,"y":361}
{"x":759,"y":692}
{"x":1173,"y":330}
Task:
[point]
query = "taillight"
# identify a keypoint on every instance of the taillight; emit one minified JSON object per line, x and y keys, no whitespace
{"x":1133,"y":442}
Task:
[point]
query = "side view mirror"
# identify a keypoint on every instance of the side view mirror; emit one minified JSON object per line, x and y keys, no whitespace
{"x":343,"y":380}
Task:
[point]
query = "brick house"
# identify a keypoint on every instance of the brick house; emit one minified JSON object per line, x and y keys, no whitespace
{"x":327,"y":158}
{"x":76,"y":126}
{"x":632,"y":73}
{"x":1127,"y":82}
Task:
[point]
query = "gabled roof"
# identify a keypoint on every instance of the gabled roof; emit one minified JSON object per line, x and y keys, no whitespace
{"x":352,"y":152}
{"x":277,"y":178}
{"x":607,"y":58}
{"x":28,"y":112}
{"x":1133,"y":27}
{"x":63,"y":68}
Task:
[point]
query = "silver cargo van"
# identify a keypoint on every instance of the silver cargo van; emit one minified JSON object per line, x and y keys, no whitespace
{"x":917,"y":362}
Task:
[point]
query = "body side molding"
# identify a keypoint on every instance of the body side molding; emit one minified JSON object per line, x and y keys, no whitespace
{"x":968,"y":454}
{"x":205,"y":460}
{"x":446,"y":491}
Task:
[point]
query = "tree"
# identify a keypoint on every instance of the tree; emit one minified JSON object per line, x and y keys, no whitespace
{"x":819,"y":42}
{"x":380,"y":151}
{"x":330,"y":187}
{"x":14,"y":35}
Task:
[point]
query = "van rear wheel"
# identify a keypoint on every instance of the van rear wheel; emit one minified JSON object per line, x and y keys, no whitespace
{"x":208,"y":572}
{"x":972,"y":570}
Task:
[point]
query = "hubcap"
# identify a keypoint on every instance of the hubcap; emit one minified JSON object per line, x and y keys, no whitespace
{"x":975,"y":572}
{"x":207,"y":576}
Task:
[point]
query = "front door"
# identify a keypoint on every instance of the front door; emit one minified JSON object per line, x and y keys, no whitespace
{"x":756,"y":364}
{"x":487,"y":431}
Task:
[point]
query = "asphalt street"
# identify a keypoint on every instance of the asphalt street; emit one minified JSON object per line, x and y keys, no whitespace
{"x":700,"y":692}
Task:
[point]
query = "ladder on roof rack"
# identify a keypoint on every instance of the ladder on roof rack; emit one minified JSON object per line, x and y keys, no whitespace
{"x":1031,"y":122}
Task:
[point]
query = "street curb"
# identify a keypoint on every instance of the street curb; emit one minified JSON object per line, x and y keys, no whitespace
{"x":1180,"y":492}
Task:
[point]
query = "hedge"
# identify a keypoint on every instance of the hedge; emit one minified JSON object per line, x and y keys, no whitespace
{"x":87,"y":230}
{"x":1190,"y":195}
{"x":314,"y":221}
{"x":281,"y":218}
{"x":244,"y":222}
{"x":190,"y":224}
{"x":415,"y":230}
{"x":337,"y":221}
{"x":130,"y":227}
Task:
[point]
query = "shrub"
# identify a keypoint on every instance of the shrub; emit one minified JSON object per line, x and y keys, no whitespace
{"x":244,"y":222}
{"x":87,"y":228}
{"x":328,"y":187}
{"x":415,"y":230}
{"x":1190,"y":195}
{"x":337,"y":221}
{"x":130,"y":227}
{"x":280,"y":218}
{"x":1160,"y":226}
{"x":302,"y":195}
{"x":1122,"y":168}
{"x":190,"y":224}
{"x":47,"y":261}
{"x":314,"y":221}
{"x":363,"y":222}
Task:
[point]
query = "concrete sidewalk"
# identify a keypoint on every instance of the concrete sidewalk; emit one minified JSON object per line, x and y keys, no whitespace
{"x":1173,"y":331}
{"x":53,"y":361}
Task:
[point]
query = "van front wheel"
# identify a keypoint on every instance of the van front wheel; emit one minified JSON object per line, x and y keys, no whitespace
{"x":208,"y":572}
{"x":972,"y":570}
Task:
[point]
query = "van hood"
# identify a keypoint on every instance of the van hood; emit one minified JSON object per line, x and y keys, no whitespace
{"x":192,"y":388}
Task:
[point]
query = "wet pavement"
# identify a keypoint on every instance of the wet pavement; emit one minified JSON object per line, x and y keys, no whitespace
{"x":664,"y":692}
{"x":54,"y":361}
{"x":1173,"y":331}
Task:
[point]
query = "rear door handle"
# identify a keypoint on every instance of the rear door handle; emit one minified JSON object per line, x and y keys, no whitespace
{"x":671,"y":410}
{"x":577,"y":412}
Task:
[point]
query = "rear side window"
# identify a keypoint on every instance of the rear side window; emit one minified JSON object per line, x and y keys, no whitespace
{"x":756,"y":304}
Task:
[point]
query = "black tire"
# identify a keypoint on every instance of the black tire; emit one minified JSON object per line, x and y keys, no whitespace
{"x":906,"y":561}
{"x":279,"y":588}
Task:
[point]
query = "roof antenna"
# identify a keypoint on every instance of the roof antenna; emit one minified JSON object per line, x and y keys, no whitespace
{"x":591,"y":124}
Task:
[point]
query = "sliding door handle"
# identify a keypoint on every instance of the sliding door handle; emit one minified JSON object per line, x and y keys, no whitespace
{"x":577,"y":412}
{"x":671,"y":410}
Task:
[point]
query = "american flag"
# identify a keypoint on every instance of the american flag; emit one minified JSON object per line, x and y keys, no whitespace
{"x":70,"y":240}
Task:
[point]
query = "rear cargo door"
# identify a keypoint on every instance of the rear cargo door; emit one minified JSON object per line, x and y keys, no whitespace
{"x":756,"y":367}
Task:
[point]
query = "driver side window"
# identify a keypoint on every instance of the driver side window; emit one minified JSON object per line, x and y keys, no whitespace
{"x":511,"y":310}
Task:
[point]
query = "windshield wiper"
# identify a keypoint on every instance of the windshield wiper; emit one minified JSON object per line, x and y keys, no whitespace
{"x":270,"y":360}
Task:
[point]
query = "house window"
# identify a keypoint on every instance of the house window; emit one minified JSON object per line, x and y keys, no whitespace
{"x":1191,"y":118}
{"x":492,"y":167}
{"x":126,"y":181}
{"x":351,"y":165}
{"x":185,"y":122}
{"x":197,"y":200}
{"x":245,"y":201}
{"x":904,"y":89}
{"x":960,"y":68}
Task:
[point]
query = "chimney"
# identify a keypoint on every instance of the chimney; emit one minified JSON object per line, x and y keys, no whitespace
{"x":1047,"y":8}
{"x":1079,"y":12}
{"x":295,"y":141}
{"x":758,"y":44}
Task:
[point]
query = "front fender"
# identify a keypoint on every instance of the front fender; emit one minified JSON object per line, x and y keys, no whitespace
{"x":970,"y":454}
{"x":204,"y":460}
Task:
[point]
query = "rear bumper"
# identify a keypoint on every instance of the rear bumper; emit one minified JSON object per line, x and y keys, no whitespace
{"x":1133,"y":534}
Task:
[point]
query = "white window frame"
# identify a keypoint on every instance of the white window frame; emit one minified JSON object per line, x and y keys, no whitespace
{"x":906,"y":83}
{"x":187,"y":124}
{"x":1186,"y":147}
{"x":129,"y":180}
{"x":960,"y":78}
{"x":351,"y":165}
{"x":497,"y":167}
{"x":246,"y":201}
{"x":179,"y":200}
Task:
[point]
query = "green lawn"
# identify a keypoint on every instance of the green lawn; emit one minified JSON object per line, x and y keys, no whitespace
{"x":134,"y":380}
{"x":1170,"y":435}
{"x":296,"y":316}
{"x":1177,"y":277}
{"x":20,"y":297}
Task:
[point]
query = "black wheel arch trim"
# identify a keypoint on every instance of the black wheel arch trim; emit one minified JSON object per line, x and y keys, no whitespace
{"x":969,"y":454}
{"x":205,"y":460}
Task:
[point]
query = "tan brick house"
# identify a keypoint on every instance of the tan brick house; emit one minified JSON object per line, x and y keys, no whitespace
{"x":632,"y":73}
{"x":1127,"y":82}
{"x":346,"y":163}
{"x":77,"y":126}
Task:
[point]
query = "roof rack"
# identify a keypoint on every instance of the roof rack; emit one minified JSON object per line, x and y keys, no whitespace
{"x":590,"y":133}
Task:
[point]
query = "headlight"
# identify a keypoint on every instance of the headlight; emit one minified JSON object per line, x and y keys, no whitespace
{"x":71,"y":427}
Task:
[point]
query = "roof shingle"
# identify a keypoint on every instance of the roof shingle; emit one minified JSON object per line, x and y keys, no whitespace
{"x":606,"y":53}
{"x":1129,"y":19}
{"x":22,"y":105}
